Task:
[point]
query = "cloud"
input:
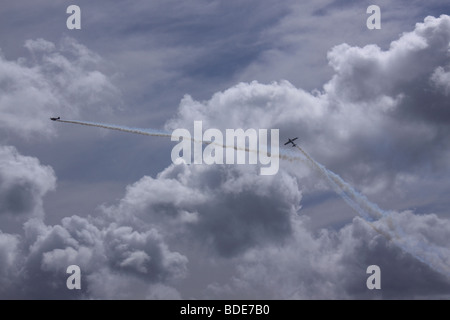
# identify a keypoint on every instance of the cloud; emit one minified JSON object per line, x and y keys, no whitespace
{"x":333,"y":265}
{"x":56,"y":80}
{"x":368,"y":73}
{"x":298,"y":43}
{"x":8,"y":261}
{"x":255,"y":224}
{"x":143,"y":253}
{"x":23,"y":183}
{"x":441,"y":79}
{"x":33,"y":263}
{"x":230,"y":209}
{"x":125,"y":259}
{"x":380,"y":118}
{"x":276,"y":255}
{"x":382,"y":114}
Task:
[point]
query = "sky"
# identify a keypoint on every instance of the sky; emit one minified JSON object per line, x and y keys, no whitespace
{"x":371,"y":107}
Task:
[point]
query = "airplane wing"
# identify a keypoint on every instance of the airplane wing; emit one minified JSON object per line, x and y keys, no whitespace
{"x":294,"y":139}
{"x":287,"y":143}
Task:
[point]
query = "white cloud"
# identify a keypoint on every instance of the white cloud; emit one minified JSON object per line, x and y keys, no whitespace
{"x":377,"y":117}
{"x":441,"y":79}
{"x":9,"y":261}
{"x":33,"y":265}
{"x":234,"y":208}
{"x":115,"y":261}
{"x":240,"y":221}
{"x":62,"y":80}
{"x":332,"y":265}
{"x":143,"y":253}
{"x":23,"y":183}
{"x":364,"y":121}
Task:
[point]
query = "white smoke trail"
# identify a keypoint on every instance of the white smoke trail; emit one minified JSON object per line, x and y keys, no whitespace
{"x":283,"y":154}
{"x":146,"y":132}
{"x":430,"y":254}
{"x":427,"y":253}
{"x":369,"y":211}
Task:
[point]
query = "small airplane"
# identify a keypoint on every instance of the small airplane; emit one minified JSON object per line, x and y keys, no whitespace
{"x":292,"y":141}
{"x":54,"y":119}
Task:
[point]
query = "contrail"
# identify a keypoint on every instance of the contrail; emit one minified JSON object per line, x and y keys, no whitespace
{"x":429,"y":254}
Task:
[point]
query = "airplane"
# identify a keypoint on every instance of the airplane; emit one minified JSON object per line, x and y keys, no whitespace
{"x":292,"y":141}
{"x":54,"y":119}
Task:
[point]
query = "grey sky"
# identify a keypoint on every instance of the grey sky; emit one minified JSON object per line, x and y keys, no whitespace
{"x":371,"y":105}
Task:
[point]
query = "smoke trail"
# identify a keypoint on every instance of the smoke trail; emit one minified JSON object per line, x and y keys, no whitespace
{"x":369,"y":211}
{"x":283,"y":154}
{"x":146,"y":132}
{"x":427,"y":253}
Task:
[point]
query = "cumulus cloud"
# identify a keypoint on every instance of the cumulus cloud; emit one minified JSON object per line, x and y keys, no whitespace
{"x":441,"y":79}
{"x":333,"y":265}
{"x":109,"y":256}
{"x":367,"y":121}
{"x":291,"y":262}
{"x":64,"y":79}
{"x":275,"y":253}
{"x":369,"y":73}
{"x":33,"y":264}
{"x":23,"y":183}
{"x":9,"y":261}
{"x":389,"y":105}
{"x":228,"y":208}
{"x":382,"y":116}
{"x":383,"y":113}
{"x":142,"y":253}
